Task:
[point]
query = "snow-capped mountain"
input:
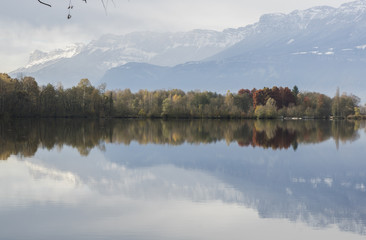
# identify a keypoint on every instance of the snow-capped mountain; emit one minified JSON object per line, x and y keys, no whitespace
{"x":91,"y":61}
{"x":318,"y":49}
{"x":39,"y":58}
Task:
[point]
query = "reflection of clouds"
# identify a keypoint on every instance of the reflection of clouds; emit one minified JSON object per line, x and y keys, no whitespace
{"x":109,"y":180}
{"x":72,"y":179}
{"x":361,"y":187}
{"x":23,"y":183}
{"x":288,"y":191}
{"x":298,"y":180}
{"x":164,"y":182}
{"x":315,"y":182}
{"x":39,"y":172}
{"x":328,"y":181}
{"x":160,"y":182}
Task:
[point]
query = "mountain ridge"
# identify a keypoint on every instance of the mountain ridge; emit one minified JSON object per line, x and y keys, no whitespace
{"x":93,"y":59}
{"x":317,"y":49}
{"x":320,"y":48}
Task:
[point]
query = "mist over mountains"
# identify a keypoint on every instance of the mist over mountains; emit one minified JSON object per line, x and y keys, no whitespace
{"x":91,"y":61}
{"x":318,"y":49}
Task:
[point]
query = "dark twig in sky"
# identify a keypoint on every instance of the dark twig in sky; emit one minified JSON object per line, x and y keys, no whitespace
{"x":44,"y":3}
{"x":70,"y":7}
{"x":105,"y":6}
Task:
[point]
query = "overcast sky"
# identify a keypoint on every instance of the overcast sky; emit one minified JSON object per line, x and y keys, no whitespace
{"x":27,"y":25}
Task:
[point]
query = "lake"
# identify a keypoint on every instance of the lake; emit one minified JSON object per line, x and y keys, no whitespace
{"x":182,"y":179}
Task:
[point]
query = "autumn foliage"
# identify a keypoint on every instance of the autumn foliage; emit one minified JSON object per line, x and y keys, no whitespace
{"x":283,"y":97}
{"x":25,"y":98}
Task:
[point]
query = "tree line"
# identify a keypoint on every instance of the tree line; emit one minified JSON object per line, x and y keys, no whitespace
{"x":25,"y":98}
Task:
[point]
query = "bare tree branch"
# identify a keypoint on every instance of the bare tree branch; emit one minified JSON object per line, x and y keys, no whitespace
{"x":105,"y":8}
{"x":104,"y":3}
{"x":44,"y":3}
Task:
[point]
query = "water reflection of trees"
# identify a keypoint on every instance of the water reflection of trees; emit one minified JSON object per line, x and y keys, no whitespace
{"x":25,"y":136}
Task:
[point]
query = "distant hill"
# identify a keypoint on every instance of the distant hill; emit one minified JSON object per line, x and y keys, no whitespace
{"x":320,"y":49}
{"x":91,"y":61}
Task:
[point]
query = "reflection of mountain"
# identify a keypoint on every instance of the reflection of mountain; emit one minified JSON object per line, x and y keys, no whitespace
{"x":155,"y":182}
{"x":320,"y":198}
{"x":25,"y":136}
{"x":314,"y":184}
{"x":300,"y":186}
{"x":319,"y":189}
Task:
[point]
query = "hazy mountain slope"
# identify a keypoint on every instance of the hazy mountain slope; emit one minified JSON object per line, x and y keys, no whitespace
{"x":317,"y":49}
{"x":71,"y":64}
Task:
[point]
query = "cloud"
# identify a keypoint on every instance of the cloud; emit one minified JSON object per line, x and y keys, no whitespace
{"x":21,"y":38}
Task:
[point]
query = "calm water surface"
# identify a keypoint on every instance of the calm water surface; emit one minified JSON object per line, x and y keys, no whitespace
{"x":135,"y":179}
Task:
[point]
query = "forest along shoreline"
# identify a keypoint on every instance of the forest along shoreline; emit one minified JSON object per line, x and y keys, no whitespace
{"x":23,"y":97}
